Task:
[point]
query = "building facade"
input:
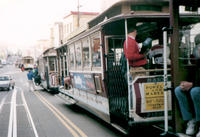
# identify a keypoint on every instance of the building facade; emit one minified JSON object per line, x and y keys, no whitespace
{"x":76,"y":20}
{"x":56,"y":35}
{"x":39,"y":48}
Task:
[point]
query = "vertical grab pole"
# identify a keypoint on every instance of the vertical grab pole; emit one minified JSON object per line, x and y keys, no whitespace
{"x":166,"y":133}
{"x":165,"y":79}
{"x":128,"y":73}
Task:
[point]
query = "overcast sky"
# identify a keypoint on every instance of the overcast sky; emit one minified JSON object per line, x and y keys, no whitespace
{"x":23,"y":22}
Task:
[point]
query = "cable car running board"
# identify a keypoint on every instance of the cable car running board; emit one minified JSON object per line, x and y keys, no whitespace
{"x":120,"y":129}
{"x":66,"y":98}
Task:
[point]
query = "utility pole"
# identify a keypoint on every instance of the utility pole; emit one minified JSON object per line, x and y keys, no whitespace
{"x":78,"y":10}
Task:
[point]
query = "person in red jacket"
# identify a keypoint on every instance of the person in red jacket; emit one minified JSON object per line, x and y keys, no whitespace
{"x":136,"y":60}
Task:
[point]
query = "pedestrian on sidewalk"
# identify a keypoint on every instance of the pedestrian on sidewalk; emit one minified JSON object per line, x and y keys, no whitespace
{"x":30,"y":80}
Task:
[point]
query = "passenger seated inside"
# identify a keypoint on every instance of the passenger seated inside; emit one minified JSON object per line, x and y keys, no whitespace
{"x":155,"y":56}
{"x":195,"y":57}
{"x":188,"y":95}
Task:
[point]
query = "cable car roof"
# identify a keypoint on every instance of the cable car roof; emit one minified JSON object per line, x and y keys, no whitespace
{"x":27,"y":57}
{"x":49,"y":52}
{"x":124,"y":6}
{"x":115,"y":25}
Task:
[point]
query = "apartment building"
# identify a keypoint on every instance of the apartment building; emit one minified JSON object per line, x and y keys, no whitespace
{"x":56,"y":35}
{"x":39,"y":48}
{"x":74,"y":21}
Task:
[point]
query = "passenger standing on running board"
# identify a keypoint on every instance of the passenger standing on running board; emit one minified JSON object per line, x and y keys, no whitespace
{"x":136,"y":60}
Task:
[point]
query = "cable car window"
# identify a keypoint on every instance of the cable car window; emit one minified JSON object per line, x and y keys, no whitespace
{"x":96,"y":54}
{"x":118,"y":54}
{"x":61,"y":63}
{"x":86,"y":55}
{"x":78,"y":54}
{"x":145,"y":8}
{"x":51,"y":64}
{"x":71,"y":56}
{"x":189,"y":43}
{"x":28,"y":61}
{"x":65,"y":60}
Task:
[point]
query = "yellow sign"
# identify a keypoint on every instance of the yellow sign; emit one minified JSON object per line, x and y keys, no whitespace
{"x":154,"y":96}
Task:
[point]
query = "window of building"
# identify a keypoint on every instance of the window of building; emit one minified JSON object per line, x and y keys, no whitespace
{"x":71,"y":27}
{"x":78,"y":54}
{"x":96,"y":52}
{"x":86,"y":53}
{"x":67,"y":28}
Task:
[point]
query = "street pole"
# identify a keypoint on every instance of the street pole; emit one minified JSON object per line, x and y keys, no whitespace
{"x":78,"y":20}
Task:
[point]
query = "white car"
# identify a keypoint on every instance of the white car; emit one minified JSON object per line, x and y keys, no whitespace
{"x":6,"y":82}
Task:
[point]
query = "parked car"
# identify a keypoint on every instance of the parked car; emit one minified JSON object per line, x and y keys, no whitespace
{"x":6,"y":82}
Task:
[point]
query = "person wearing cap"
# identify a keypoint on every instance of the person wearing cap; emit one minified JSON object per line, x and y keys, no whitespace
{"x":136,"y":60}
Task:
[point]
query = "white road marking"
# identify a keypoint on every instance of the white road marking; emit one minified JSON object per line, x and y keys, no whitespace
{"x":12,"y":127}
{"x":10,"y":118}
{"x":28,"y":113}
{"x":15,"y":115}
{"x":10,"y":72}
{"x":2,"y":102}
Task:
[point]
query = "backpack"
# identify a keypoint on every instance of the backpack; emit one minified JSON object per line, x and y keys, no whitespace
{"x":123,"y":62}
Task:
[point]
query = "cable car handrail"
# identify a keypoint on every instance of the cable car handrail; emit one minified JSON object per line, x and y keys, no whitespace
{"x":149,"y":70}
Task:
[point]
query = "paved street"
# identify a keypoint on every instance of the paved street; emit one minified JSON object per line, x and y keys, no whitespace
{"x":41,"y":114}
{"x":25,"y":113}
{"x":103,"y":68}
